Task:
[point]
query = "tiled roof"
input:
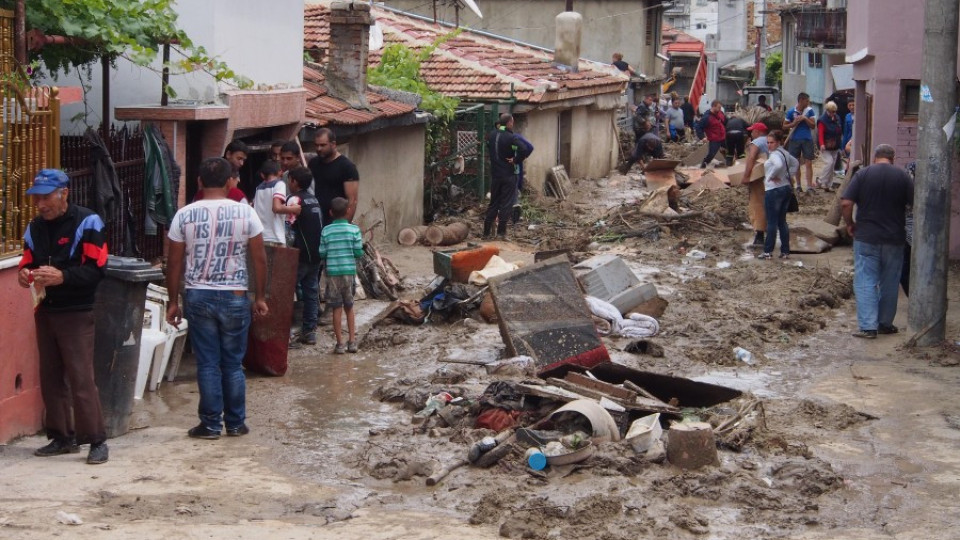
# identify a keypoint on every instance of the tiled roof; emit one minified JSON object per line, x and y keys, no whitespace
{"x":683,"y":47}
{"x":324,"y":109}
{"x":475,"y":67}
{"x":670,"y":34}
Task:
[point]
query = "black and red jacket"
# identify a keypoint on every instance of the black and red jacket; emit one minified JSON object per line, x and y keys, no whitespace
{"x":75,"y":244}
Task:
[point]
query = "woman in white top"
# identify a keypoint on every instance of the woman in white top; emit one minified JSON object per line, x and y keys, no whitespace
{"x":778,"y":189}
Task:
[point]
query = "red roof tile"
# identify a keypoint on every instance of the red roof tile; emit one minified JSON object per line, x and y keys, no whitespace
{"x":474,"y":67}
{"x":325,"y":109}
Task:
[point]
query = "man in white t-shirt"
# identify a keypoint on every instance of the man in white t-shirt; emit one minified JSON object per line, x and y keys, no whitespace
{"x":209,"y":240}
{"x":270,"y":202}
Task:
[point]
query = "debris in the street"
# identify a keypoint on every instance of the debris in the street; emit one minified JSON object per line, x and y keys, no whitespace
{"x":833,"y":214}
{"x":663,"y":199}
{"x":543,"y":315}
{"x":520,"y":365}
{"x":411,"y":236}
{"x":644,"y":432}
{"x":559,"y":454}
{"x":667,"y":388}
{"x":601,"y":424}
{"x":608,"y":278}
{"x":691,"y":445}
{"x":635,"y":326}
{"x":655,"y":307}
{"x":494,"y":267}
{"x":557,"y":182}
{"x":743,"y":355}
{"x":436,"y":477}
{"x":643,"y":346}
{"x":536,"y":460}
{"x":68,"y":519}
{"x":456,"y":265}
{"x":446,"y":235}
{"x":803,"y":240}
{"x":697,"y":156}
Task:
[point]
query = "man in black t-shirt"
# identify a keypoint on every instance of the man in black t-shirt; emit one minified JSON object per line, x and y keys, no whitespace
{"x":334,"y":175}
{"x":881,"y":193}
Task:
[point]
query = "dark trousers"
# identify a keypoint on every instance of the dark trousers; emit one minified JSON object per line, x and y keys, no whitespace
{"x":502,"y":191}
{"x":736,"y":143}
{"x":712,"y":148}
{"x":70,"y":395}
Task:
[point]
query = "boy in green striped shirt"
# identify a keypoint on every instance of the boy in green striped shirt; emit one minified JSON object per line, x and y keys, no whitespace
{"x":341,"y":244}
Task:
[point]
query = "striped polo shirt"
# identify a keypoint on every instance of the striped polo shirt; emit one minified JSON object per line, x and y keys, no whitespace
{"x":341,"y":245}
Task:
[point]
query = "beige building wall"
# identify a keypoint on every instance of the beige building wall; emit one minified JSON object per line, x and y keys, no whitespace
{"x":540,"y":128}
{"x":390,"y":163}
{"x":595,"y":147}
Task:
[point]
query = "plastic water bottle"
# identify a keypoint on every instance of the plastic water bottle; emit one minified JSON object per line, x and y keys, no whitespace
{"x":743,"y":355}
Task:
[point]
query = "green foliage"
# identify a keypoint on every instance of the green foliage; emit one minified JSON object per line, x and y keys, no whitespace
{"x":399,"y":69}
{"x":775,"y":69}
{"x":133,"y":29}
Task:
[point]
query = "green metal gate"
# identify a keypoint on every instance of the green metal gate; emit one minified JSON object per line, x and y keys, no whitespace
{"x":457,"y":174}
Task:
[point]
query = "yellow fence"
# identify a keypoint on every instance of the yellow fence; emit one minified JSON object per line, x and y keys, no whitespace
{"x":29,"y":141}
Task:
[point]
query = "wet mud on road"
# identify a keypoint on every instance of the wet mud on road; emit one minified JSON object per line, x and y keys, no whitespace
{"x":854,"y":439}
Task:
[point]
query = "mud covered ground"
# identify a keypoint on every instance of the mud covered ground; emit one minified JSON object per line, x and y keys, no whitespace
{"x":839,"y":438}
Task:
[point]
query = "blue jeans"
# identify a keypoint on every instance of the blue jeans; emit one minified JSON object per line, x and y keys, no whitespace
{"x":308,"y":276}
{"x":876,"y":281}
{"x":775,"y":203}
{"x":219,"y":321}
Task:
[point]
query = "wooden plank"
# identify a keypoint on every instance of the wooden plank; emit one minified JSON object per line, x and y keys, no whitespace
{"x":550,"y":392}
{"x":607,"y":388}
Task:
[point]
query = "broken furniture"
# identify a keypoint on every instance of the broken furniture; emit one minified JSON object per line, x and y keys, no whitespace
{"x":542,"y":314}
{"x":608,"y":278}
{"x":456,"y":264}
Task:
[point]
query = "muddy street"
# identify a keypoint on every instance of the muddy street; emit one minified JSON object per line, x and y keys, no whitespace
{"x":849,"y":439}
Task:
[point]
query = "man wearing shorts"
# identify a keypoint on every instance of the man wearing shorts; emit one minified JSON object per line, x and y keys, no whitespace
{"x":802,"y":120}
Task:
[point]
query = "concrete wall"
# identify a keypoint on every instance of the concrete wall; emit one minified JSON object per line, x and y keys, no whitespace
{"x":609,"y":25}
{"x":390,"y":163}
{"x":261,"y":41}
{"x":541,"y":129}
{"x":595,"y":143}
{"x":892,"y":39}
{"x":21,"y":407}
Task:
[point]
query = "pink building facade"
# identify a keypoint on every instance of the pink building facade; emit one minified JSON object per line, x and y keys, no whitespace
{"x":885,"y":46}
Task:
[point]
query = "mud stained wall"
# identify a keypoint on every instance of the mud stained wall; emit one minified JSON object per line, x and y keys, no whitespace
{"x":595,"y":145}
{"x":390,"y":163}
{"x":21,"y":408}
{"x":540,"y":128}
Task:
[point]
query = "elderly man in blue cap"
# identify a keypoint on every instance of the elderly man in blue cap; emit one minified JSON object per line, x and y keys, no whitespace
{"x":64,"y":251}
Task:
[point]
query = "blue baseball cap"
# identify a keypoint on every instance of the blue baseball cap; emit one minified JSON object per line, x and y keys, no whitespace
{"x":48,"y":181}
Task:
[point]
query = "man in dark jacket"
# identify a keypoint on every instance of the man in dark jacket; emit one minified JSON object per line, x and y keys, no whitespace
{"x":64,"y":251}
{"x":507,"y":151}
{"x":648,"y":146}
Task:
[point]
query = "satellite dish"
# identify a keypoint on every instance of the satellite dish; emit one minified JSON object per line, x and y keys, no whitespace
{"x":473,"y":7}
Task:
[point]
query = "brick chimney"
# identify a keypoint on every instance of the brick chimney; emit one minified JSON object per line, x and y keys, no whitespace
{"x":346,"y":74}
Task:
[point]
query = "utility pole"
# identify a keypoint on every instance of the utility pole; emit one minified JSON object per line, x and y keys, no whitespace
{"x":931,"y":204}
{"x":760,"y":22}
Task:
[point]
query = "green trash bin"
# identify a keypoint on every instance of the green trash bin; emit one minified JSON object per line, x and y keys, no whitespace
{"x":118,"y":315}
